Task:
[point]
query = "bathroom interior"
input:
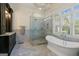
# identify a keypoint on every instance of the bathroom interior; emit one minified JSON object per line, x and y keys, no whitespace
{"x":39,"y":29}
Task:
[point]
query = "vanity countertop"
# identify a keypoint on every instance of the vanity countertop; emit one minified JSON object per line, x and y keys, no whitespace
{"x":7,"y":34}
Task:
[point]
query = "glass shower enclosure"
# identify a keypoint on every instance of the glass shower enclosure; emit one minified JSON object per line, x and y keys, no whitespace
{"x":38,"y":30}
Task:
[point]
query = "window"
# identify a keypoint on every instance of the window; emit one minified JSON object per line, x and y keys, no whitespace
{"x":66,"y":25}
{"x":76,"y":20}
{"x":76,"y":26}
{"x":56,"y":24}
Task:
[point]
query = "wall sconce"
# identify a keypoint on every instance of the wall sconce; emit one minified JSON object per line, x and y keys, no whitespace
{"x":6,"y":11}
{"x":7,"y":14}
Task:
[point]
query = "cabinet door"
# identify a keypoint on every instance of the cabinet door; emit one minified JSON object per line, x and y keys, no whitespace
{"x":4,"y":44}
{"x":12,"y":42}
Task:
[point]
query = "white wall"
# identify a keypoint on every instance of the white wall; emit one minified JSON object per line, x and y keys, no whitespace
{"x":22,"y":14}
{"x":22,"y":18}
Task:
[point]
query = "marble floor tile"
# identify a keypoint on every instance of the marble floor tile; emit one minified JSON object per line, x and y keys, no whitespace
{"x":27,"y":49}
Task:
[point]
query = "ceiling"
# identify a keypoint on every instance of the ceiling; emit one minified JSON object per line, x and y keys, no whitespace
{"x":42,"y":7}
{"x":33,"y":5}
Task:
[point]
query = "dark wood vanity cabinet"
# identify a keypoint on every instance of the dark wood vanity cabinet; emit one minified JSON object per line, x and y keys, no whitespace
{"x":7,"y":42}
{"x":7,"y":37}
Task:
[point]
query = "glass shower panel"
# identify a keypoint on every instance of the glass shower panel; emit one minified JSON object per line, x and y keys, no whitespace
{"x":48,"y":25}
{"x":37,"y":31}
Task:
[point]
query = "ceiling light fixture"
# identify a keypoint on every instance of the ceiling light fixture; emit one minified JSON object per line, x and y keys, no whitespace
{"x":40,"y":8}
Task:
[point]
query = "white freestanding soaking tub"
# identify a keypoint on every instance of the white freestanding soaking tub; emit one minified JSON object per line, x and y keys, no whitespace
{"x":62,"y":47}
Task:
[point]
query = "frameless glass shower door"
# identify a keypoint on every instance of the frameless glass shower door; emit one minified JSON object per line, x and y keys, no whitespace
{"x":37,"y":31}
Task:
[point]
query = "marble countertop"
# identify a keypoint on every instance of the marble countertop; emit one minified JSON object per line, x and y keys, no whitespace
{"x":7,"y":33}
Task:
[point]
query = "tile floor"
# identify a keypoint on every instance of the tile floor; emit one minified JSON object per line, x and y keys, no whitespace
{"x":27,"y":49}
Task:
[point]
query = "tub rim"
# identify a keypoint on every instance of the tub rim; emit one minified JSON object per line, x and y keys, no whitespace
{"x":63,"y":43}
